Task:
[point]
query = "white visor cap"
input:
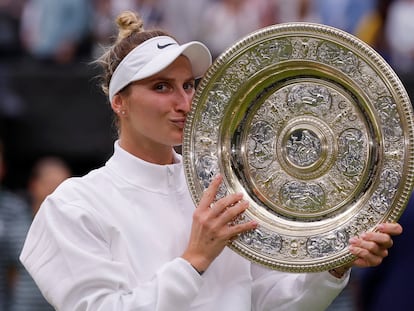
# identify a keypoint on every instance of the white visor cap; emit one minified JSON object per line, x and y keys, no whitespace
{"x":153,"y":56}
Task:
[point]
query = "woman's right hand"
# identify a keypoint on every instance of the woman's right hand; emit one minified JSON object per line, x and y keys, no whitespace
{"x":213,"y":226}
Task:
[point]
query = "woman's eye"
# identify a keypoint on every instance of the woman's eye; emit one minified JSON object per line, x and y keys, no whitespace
{"x":189,"y":86}
{"x":161,"y":87}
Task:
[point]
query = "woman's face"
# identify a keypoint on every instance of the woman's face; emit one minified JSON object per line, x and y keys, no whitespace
{"x":155,"y":109}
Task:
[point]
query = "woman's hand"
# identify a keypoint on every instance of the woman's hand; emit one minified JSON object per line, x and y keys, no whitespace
{"x":212,"y":226}
{"x":371,"y":247}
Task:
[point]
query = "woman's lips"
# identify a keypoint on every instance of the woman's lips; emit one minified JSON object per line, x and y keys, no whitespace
{"x":179,"y":122}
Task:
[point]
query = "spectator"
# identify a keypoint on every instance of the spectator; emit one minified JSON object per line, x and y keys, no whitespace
{"x":371,"y":28}
{"x":226,"y":21}
{"x":56,"y":31}
{"x":150,"y":12}
{"x":399,"y":33}
{"x":11,"y":105}
{"x":14,"y":221}
{"x":104,"y":30}
{"x":10,"y":14}
{"x":182,"y":17}
{"x":296,"y":11}
{"x":104,"y":12}
{"x":47,"y":174}
{"x":343,"y":14}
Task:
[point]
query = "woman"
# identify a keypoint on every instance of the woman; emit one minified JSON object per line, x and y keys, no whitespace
{"x":127,"y":236}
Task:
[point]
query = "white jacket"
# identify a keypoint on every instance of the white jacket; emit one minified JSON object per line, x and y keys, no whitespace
{"x":112,"y":240}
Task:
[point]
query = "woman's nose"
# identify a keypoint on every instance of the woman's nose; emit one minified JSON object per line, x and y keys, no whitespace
{"x":183,"y":100}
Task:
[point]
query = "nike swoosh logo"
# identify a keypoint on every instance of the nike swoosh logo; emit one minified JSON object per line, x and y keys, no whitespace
{"x":164,"y":46}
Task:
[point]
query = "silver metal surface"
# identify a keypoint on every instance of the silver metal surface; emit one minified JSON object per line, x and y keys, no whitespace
{"x":316,"y":129}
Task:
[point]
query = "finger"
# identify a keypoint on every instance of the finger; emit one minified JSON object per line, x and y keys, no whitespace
{"x":225,"y":203}
{"x":390,"y":228}
{"x":364,"y":263}
{"x":370,"y":252}
{"x":366,"y":247}
{"x":210,"y":193}
{"x":231,"y":212}
{"x":234,"y":231}
{"x":381,"y":239}
{"x":367,"y":259}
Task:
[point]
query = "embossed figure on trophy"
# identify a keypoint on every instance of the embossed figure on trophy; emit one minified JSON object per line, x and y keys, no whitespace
{"x":262,"y":140}
{"x":302,"y":49}
{"x":351,"y":161}
{"x":247,"y":65}
{"x":280,"y":49}
{"x":323,"y":246}
{"x":303,"y":147}
{"x":342,"y":59}
{"x":294,"y":248}
{"x":262,"y":240}
{"x":345,"y":111}
{"x":212,"y":114}
{"x":380,"y":200}
{"x":389,"y":116}
{"x":309,"y":99}
{"x":207,"y":169}
{"x":302,"y":197}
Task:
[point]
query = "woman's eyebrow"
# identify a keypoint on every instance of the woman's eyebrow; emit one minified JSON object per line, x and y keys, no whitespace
{"x":164,"y":78}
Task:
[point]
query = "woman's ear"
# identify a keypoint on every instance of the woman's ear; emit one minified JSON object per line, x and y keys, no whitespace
{"x":117,"y":104}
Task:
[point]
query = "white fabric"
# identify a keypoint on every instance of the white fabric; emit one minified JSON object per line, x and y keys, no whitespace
{"x":154,"y":55}
{"x":111,"y":240}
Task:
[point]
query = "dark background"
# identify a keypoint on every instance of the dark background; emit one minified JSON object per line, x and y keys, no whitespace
{"x":62,"y":112}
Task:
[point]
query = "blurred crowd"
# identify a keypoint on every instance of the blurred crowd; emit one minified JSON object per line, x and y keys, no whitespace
{"x":65,"y":32}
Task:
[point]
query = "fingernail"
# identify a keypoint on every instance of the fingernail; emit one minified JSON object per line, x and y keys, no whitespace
{"x":353,"y":240}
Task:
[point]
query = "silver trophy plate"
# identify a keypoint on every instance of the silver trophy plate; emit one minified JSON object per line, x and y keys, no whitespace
{"x":316,"y":130}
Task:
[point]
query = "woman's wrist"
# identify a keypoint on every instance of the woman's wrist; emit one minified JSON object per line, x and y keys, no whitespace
{"x":339,"y":272}
{"x":200,"y":272}
{"x":196,"y":262}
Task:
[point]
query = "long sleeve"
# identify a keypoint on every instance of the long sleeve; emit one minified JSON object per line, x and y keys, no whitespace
{"x":273,"y":290}
{"x":70,"y":258}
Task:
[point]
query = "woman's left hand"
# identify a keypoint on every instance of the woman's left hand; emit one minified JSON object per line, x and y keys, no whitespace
{"x":372,"y":247}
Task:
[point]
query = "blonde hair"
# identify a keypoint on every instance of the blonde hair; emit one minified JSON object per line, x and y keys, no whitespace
{"x":128,"y":22}
{"x":131,"y":34}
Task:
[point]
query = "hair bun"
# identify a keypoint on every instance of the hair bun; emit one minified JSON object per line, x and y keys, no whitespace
{"x":129,"y":22}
